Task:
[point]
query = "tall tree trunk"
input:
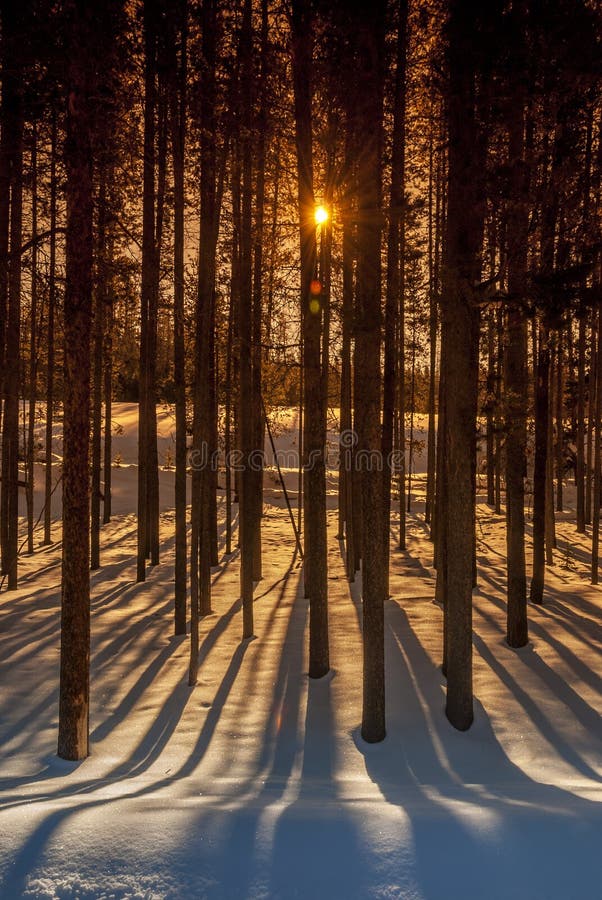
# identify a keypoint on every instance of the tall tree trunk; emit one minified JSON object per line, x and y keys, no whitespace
{"x":369,"y":29}
{"x":177,"y":114}
{"x":50,"y":340}
{"x":580,"y":471}
{"x":108,"y":389}
{"x":97,"y":338}
{"x":12,"y":24}
{"x":314,"y":428}
{"x":75,"y":615}
{"x":245,"y":329}
{"x":559,"y":397}
{"x":591,"y":414}
{"x":33,"y":343}
{"x":515,"y":361}
{"x":461,"y":335}
{"x":433,"y":324}
{"x":540,"y":463}
{"x":258,"y":240}
{"x":148,"y":278}
{"x":597,"y":455}
{"x":394,"y":297}
{"x":347,"y":440}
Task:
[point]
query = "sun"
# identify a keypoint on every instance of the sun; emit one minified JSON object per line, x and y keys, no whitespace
{"x":321,"y":215}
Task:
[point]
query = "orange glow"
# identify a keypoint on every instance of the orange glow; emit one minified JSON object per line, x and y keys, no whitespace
{"x":321,"y":215}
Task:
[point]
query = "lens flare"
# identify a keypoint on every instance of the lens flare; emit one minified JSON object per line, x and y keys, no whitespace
{"x":321,"y":215}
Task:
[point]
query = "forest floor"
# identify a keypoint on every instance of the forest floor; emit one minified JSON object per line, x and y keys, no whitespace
{"x":256,"y":783}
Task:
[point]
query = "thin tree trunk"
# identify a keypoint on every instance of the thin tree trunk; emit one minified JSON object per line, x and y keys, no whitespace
{"x":178,"y":138}
{"x":580,"y":471}
{"x":394,"y":302}
{"x":148,"y":259}
{"x":591,"y":414}
{"x":258,"y":298}
{"x":597,"y":456}
{"x":245,"y":330}
{"x":10,"y":433}
{"x":33,"y":340}
{"x":50,"y":341}
{"x":540,"y":464}
{"x":515,"y":356}
{"x":98,"y":329}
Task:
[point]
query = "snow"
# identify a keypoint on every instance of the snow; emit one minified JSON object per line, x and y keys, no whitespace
{"x":256,"y":783}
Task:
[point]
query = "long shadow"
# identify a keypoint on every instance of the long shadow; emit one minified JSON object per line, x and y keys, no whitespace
{"x":441,"y":778}
{"x":584,"y":713}
{"x":32,"y":850}
{"x":562,"y":690}
{"x":555,"y":603}
{"x":591,"y":631}
{"x":166,"y":721}
{"x":277,"y":758}
{"x":149,"y":749}
{"x":320,"y":822}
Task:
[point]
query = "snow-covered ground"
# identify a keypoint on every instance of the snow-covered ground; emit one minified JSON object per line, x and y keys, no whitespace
{"x":255,"y":783}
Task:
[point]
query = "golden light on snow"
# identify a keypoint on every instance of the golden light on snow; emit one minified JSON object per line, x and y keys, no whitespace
{"x":321,"y":215}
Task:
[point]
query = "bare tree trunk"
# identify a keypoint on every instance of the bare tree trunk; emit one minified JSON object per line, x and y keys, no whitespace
{"x":591,"y":414}
{"x":515,"y":358}
{"x":368,"y":34}
{"x":177,"y":115}
{"x":148,"y":276}
{"x":550,"y":523}
{"x":245,"y":330}
{"x":33,"y":342}
{"x":433,"y":317}
{"x":314,"y":424}
{"x":258,"y":238}
{"x":580,"y":473}
{"x":108,"y":392}
{"x":540,"y":463}
{"x":347,"y":440}
{"x":460,"y":312}
{"x":50,"y":341}
{"x":75,"y":616}
{"x":597,"y":455}
{"x":98,"y":329}
{"x":10,"y":432}
{"x":394,"y":298}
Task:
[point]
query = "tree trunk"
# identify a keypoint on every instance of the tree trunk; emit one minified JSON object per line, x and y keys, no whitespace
{"x":98,"y":329}
{"x":178,"y":137}
{"x":369,"y":28}
{"x":10,"y":434}
{"x":597,"y":455}
{"x":50,"y":340}
{"x":75,"y":617}
{"x":394,"y":298}
{"x":314,"y":426}
{"x":148,"y":266}
{"x":460,"y":311}
{"x":540,"y":463}
{"x":515,"y":361}
{"x":245,"y":330}
{"x":33,"y":344}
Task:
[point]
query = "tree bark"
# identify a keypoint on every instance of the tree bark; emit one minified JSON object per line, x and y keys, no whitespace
{"x":314,"y":424}
{"x":75,"y":606}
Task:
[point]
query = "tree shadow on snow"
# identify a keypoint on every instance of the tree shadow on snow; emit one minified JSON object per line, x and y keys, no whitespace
{"x":480,"y":825}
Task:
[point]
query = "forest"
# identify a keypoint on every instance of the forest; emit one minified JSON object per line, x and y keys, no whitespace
{"x":300,"y":448}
